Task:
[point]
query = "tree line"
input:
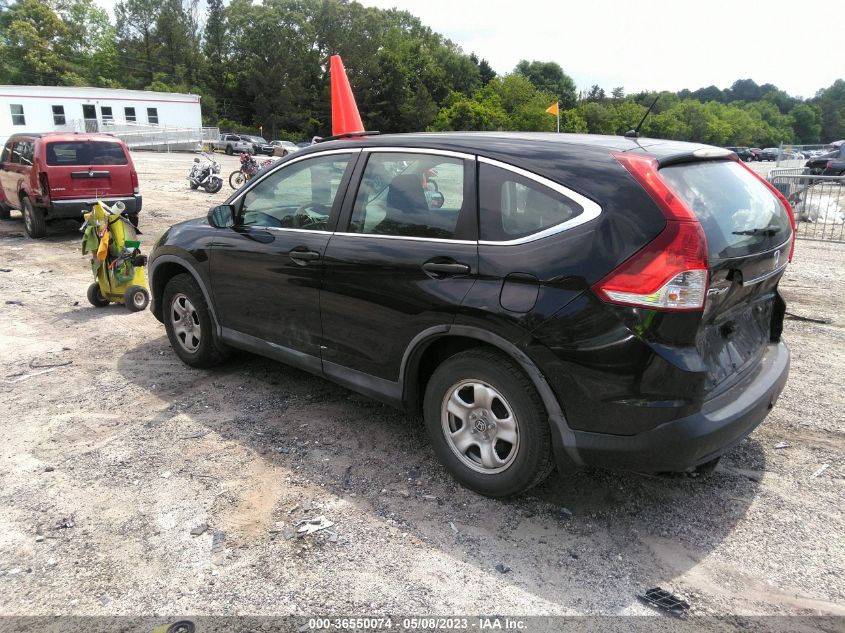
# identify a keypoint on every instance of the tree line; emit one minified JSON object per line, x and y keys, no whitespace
{"x":265,"y":66}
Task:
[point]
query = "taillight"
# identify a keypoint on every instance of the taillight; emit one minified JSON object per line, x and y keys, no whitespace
{"x":134,"y":175}
{"x":45,"y":185}
{"x":670,"y":272}
{"x":789,"y":211}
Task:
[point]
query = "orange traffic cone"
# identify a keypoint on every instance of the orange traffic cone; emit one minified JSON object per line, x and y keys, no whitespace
{"x":345,"y":117}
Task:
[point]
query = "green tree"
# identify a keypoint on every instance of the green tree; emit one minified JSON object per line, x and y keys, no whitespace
{"x":549,"y":77}
{"x":807,"y":123}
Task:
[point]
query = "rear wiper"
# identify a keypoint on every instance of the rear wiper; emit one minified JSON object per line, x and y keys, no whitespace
{"x":770,"y":230}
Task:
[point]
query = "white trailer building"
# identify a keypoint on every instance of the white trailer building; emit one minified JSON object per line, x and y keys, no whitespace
{"x":142,"y":119}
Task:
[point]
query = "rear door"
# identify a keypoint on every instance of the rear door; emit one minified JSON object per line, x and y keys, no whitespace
{"x":749,"y":238}
{"x":268,"y":268}
{"x":87,"y":169}
{"x":403,"y":259}
{"x":16,"y":169}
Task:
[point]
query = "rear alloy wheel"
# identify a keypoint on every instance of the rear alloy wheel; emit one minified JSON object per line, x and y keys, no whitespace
{"x":33,"y":219}
{"x":189,"y":325}
{"x":487,"y":423}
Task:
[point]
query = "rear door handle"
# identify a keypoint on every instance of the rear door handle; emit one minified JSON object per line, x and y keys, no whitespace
{"x":303,"y":257}
{"x":438,"y":270}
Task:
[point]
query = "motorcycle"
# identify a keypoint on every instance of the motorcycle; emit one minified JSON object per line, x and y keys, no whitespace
{"x":249,"y":167}
{"x":205,"y":175}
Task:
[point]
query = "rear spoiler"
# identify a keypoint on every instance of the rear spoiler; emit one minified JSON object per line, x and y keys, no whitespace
{"x":700,"y":154}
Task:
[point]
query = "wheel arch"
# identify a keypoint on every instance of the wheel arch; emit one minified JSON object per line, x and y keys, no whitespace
{"x":165,"y":268}
{"x":431,"y":347}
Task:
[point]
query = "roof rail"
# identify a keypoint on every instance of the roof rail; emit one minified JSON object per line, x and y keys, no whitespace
{"x":336,"y":137}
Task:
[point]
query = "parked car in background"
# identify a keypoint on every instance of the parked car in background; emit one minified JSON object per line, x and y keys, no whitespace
{"x":540,"y":299}
{"x":259,"y":144}
{"x":829,"y":164}
{"x":232,"y":144}
{"x":756,"y":151}
{"x":743,"y":153}
{"x":283,"y":148}
{"x":770,"y":153}
{"x":58,"y":175}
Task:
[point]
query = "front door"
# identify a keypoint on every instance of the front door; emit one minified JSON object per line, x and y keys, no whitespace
{"x":402,"y":262}
{"x":268,"y":269}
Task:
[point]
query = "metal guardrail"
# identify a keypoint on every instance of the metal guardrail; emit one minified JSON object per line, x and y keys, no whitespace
{"x":149,"y":136}
{"x":818,"y":202}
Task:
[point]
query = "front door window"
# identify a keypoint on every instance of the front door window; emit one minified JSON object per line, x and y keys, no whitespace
{"x":299,"y":196}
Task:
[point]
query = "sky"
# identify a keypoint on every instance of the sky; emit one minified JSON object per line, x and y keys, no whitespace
{"x":647,"y":44}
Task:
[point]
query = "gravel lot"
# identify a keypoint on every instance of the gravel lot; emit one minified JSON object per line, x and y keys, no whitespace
{"x":99,"y":421}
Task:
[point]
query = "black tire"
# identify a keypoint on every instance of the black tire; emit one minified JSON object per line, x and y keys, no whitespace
{"x":237,"y":179}
{"x":207,"y":350}
{"x":136,"y":298}
{"x":229,"y":150}
{"x":95,"y":298}
{"x":214,"y":185}
{"x":33,"y":219}
{"x":5,"y":211}
{"x":194,"y":185}
{"x":528,"y":461}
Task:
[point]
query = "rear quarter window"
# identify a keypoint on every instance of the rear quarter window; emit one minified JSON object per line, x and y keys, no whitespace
{"x":85,"y":153}
{"x":739,"y":214}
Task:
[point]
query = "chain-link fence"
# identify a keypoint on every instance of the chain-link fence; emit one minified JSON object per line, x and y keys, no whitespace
{"x":818,"y":202}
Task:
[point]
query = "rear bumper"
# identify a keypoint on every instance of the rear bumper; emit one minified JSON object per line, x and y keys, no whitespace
{"x":75,"y":208}
{"x":696,"y":439}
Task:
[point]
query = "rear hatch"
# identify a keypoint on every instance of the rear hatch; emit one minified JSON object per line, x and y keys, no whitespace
{"x":88,"y":168}
{"x":749,"y":239}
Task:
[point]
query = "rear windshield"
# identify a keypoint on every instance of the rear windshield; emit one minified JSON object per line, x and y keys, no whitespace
{"x":740,"y":215}
{"x":85,"y":153}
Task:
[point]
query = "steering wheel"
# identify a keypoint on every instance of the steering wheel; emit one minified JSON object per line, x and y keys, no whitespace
{"x":305,"y":216}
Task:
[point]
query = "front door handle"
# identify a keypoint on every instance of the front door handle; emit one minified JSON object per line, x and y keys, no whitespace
{"x":439,"y":270}
{"x":303,"y":257}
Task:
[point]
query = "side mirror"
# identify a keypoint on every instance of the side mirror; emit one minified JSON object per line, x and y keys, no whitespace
{"x":222,"y":216}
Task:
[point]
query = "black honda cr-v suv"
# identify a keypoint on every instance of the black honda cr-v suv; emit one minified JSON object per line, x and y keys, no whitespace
{"x":541,"y":298}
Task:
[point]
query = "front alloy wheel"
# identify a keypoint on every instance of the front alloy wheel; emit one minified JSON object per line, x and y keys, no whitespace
{"x":186,"y":323}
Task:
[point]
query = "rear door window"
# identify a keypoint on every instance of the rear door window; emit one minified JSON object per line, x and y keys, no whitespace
{"x":410,"y":195}
{"x":85,"y":153}
{"x":739,"y":214}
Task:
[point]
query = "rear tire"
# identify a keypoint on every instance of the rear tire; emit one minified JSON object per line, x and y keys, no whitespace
{"x":189,"y":325}
{"x":229,"y":150}
{"x":95,"y":298}
{"x":33,"y":219}
{"x":5,"y":211}
{"x":487,"y":423}
{"x":136,"y":298}
{"x":214,"y":185}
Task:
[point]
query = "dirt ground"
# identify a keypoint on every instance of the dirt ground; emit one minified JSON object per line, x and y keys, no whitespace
{"x":102,"y":427}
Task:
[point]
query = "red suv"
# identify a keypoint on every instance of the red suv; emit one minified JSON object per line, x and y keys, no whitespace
{"x":54,"y":176}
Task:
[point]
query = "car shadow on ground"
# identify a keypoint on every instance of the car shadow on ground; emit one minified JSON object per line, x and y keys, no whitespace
{"x":58,"y":231}
{"x":636,"y":531}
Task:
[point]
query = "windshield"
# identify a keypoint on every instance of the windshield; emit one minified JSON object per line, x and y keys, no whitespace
{"x":739,"y":214}
{"x":256,"y":139}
